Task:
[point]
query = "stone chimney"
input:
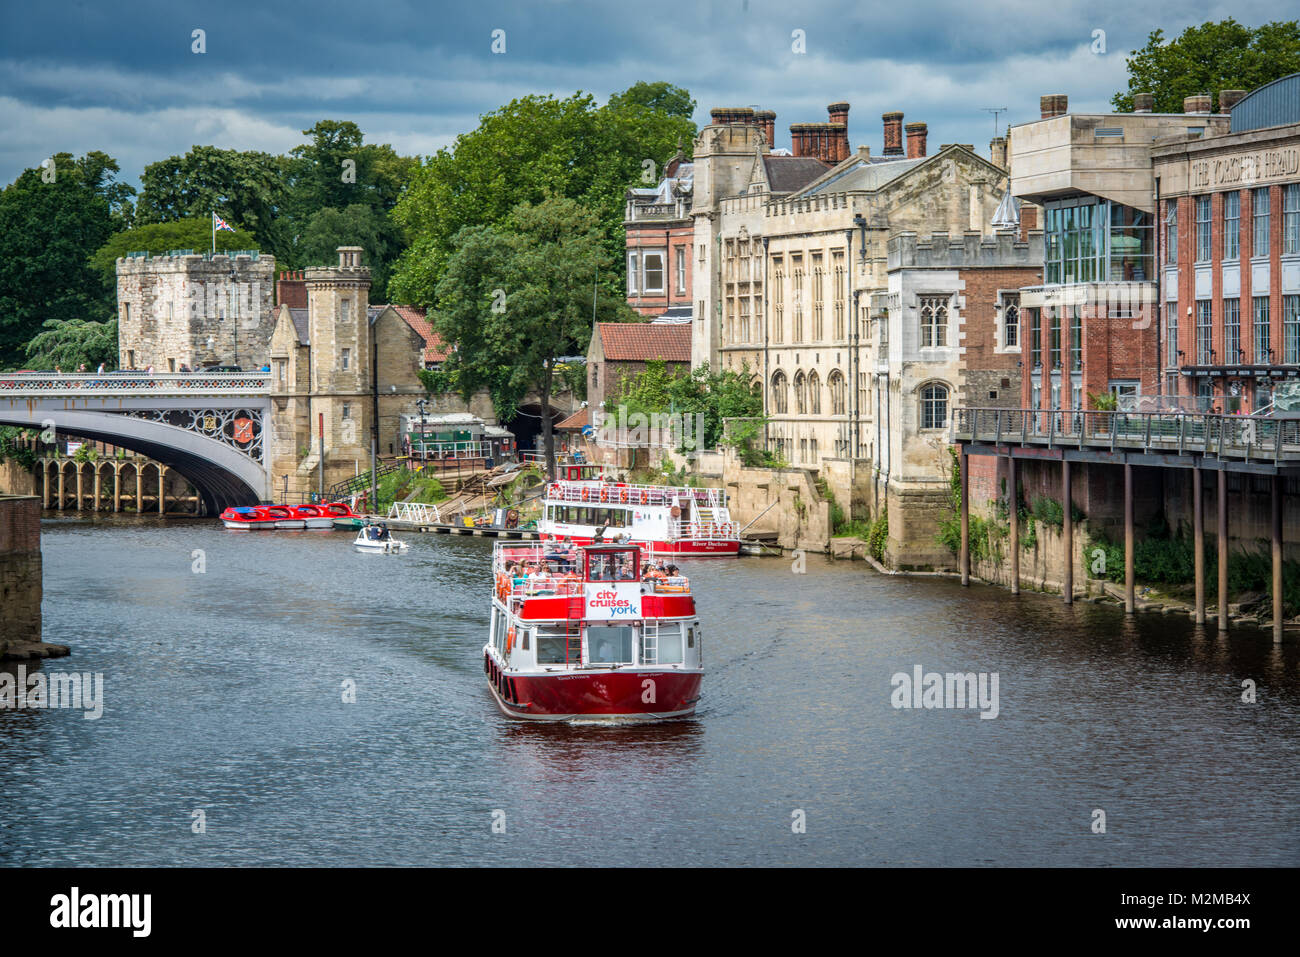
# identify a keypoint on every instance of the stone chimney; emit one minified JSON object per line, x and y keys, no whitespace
{"x":1228,"y":99}
{"x":1200,"y":103}
{"x":1143,"y":102}
{"x":766,"y":119}
{"x":350,"y":257}
{"x":915,"y":140}
{"x":1054,"y":104}
{"x":998,"y":152}
{"x":733,"y":116}
{"x":893,"y":134}
{"x":839,"y":116}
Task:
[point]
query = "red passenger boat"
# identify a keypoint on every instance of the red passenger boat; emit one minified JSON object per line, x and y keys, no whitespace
{"x":580,"y":635}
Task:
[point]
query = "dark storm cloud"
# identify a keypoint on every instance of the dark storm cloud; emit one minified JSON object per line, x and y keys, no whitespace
{"x":122,"y":78}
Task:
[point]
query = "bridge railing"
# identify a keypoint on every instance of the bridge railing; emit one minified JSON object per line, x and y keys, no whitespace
{"x":136,"y":383}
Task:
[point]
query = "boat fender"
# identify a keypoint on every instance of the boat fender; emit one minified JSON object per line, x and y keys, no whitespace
{"x":510,"y":638}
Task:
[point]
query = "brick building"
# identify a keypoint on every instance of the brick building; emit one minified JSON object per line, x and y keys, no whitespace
{"x":660,"y":236}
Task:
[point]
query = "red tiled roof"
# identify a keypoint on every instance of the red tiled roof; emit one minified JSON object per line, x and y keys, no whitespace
{"x":435,"y":350}
{"x":641,"y":341}
{"x":575,"y":422}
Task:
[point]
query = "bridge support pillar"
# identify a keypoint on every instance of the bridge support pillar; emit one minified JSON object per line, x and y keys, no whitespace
{"x":162,"y":501}
{"x":1130,"y":578}
{"x":1223,"y":550}
{"x":117,"y":487}
{"x":1277,"y":559}
{"x":1067,"y":502}
{"x":139,"y":489}
{"x":45,"y":484}
{"x":1198,"y":543}
{"x":1013,"y":503}
{"x":61,"y":485}
{"x":97,"y":487}
{"x":80,"y":484}
{"x":964,"y":465}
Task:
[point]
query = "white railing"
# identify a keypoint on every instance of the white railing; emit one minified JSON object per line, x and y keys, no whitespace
{"x":417,"y":512}
{"x":593,"y":493}
{"x":136,"y":383}
{"x":705,"y":531}
{"x":451,"y":450}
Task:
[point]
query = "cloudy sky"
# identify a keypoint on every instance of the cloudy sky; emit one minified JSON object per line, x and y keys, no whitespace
{"x":122,"y":77}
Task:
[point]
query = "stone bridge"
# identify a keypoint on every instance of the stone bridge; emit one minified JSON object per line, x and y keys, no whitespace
{"x":212,"y":428}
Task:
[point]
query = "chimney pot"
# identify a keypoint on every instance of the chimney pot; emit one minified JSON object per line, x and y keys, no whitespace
{"x":1229,"y":98}
{"x":893,"y":133}
{"x":1143,"y":102}
{"x":916,"y":133}
{"x":1054,"y":104}
{"x":1200,"y":103}
{"x":767,"y":120}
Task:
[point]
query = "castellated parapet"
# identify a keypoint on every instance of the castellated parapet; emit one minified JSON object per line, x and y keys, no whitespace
{"x":191,"y":309}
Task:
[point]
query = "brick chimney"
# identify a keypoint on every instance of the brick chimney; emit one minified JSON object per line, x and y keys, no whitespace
{"x":732,"y":116}
{"x":915,"y":140}
{"x":291,"y":290}
{"x":1054,"y":104}
{"x":998,"y":152}
{"x":1200,"y":103}
{"x":766,"y":119}
{"x":1228,"y":99}
{"x":1143,"y":102}
{"x":799,"y":139}
{"x":893,"y":134}
{"x":839,"y":116}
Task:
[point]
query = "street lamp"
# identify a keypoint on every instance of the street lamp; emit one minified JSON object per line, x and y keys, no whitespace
{"x":860,"y":221}
{"x":423,"y":406}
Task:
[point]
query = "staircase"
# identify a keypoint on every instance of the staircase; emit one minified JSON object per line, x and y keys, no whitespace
{"x":358,"y":483}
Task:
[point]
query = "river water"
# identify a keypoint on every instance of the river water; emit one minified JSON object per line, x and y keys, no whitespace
{"x":223,"y":694}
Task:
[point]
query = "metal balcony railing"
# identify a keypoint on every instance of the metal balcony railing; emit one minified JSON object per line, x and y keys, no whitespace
{"x":136,"y":383}
{"x":1225,"y":436}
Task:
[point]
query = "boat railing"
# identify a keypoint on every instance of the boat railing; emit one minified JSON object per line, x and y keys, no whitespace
{"x":706,"y":531}
{"x":417,"y":512}
{"x":592,"y":493}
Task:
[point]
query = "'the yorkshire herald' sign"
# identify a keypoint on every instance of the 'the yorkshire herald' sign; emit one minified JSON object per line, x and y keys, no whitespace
{"x":1245,"y":168}
{"x":610,"y":601}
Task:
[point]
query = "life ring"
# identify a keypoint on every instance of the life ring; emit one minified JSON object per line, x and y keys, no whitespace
{"x":645,"y":497}
{"x":503,"y":588}
{"x":604,"y":495}
{"x":510,"y":638}
{"x":622,"y":497}
{"x":586,"y":494}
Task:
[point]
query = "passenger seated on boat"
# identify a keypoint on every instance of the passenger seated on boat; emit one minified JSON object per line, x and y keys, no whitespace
{"x":539,"y":582}
{"x":626,"y":570}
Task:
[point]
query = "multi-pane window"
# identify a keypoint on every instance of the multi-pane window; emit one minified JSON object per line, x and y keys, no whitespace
{"x":346,"y":359}
{"x":744,"y":319}
{"x":934,"y":321}
{"x":1263,"y":353}
{"x":796,"y":282}
{"x":345,"y":310}
{"x":1260,"y":247}
{"x":1231,"y":224}
{"x":1204,"y":332}
{"x":934,"y":406}
{"x":836,"y":384}
{"x":1035,"y":338}
{"x":838,"y":295}
{"x":1171,"y":232}
{"x":1291,"y":329}
{"x":1202,"y":229}
{"x":814,"y":394}
{"x":653,"y":276}
{"x":1232,"y":330}
{"x":1171,"y":330}
{"x":631,"y":273}
{"x":800,"y":394}
{"x":1010,"y":324}
{"x":1054,"y":343}
{"x":681,"y":269}
{"x":778,"y":299}
{"x":818,"y":292}
{"x":1291,"y":218}
{"x":779,"y":397}
{"x":1076,"y":338}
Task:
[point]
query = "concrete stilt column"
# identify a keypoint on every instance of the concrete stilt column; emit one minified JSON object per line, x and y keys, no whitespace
{"x":61,"y":483}
{"x":1198,"y":543}
{"x":1130,"y":574}
{"x":139,"y":489}
{"x":80,"y":483}
{"x":117,"y":488}
{"x":964,"y":464}
{"x":1277,"y":559}
{"x":45,"y":490}
{"x":1067,"y":504}
{"x":161,"y":485}
{"x":1013,"y":503}
{"x":1223,"y":549}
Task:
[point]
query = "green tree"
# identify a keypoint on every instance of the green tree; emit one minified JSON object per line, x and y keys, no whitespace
{"x":247,"y":187}
{"x":660,"y":97}
{"x":356,"y":225}
{"x":158,"y":238}
{"x":515,"y":299}
{"x":73,"y":342}
{"x":530,"y":149}
{"x":48,"y":231}
{"x":1209,"y":58}
{"x":337,"y":169}
{"x":712,"y":396}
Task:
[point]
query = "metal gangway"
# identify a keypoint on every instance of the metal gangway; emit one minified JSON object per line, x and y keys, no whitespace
{"x":417,"y":513}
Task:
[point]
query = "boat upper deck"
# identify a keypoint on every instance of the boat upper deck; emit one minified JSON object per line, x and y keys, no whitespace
{"x":547,"y":582}
{"x":620,"y":493}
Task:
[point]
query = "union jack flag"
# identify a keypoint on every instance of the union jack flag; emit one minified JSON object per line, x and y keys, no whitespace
{"x":219,"y":223}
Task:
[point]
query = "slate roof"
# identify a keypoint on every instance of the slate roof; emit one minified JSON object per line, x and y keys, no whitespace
{"x":785,"y":174}
{"x":299,"y":317}
{"x":641,"y":341}
{"x":867,"y":176}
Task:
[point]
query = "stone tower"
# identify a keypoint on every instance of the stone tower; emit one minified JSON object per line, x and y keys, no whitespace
{"x":338,"y":301}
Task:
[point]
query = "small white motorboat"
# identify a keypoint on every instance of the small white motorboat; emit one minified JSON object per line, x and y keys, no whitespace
{"x":372,"y":538}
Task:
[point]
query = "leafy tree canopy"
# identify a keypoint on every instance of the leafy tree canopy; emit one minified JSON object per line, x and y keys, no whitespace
{"x":48,"y":231}
{"x":713,"y":396}
{"x":72,"y":343}
{"x":356,"y":225}
{"x":1209,"y":58}
{"x":159,"y":238}
{"x":530,"y":149}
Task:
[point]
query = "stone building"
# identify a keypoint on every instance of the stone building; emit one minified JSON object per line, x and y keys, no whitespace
{"x":185,"y":309}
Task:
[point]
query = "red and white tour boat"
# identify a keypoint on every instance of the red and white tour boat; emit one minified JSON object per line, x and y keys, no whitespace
{"x":666,"y":519}
{"x":285,"y":516}
{"x":582,"y":637}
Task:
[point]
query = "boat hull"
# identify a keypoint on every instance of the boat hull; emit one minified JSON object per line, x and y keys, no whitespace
{"x":597,"y":695}
{"x":291,"y":523}
{"x":247,"y":526}
{"x":700,"y":548}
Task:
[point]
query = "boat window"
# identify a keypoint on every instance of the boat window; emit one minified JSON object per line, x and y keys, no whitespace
{"x":550,"y":646}
{"x":610,"y":645}
{"x":690,"y":637}
{"x":664,"y":649}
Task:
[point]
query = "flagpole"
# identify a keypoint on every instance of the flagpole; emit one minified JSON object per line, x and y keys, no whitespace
{"x":214,"y":234}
